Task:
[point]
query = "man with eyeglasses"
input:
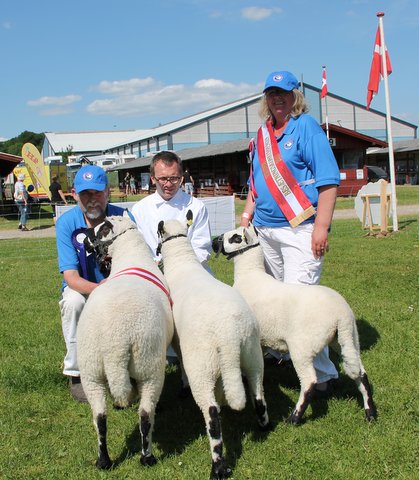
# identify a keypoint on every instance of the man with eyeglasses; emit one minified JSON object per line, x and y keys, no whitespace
{"x":171,"y":202}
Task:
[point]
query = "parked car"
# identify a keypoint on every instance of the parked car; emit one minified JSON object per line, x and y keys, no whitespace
{"x":376,"y":173}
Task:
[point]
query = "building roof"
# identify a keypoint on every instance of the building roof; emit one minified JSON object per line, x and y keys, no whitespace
{"x":402,"y":146}
{"x":90,"y":141}
{"x":352,"y":133}
{"x":234,"y":146}
{"x":8,"y":162}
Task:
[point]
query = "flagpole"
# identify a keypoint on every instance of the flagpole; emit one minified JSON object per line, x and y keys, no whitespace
{"x":380,"y":16}
{"x":325,"y":104}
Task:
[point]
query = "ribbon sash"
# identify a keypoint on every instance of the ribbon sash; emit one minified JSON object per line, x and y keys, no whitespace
{"x":140,"y":272}
{"x":281,"y":183}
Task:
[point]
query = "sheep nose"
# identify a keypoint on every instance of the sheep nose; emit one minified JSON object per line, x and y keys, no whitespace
{"x":217,"y":245}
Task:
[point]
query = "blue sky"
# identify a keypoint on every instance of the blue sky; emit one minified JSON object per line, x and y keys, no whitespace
{"x":89,"y":65}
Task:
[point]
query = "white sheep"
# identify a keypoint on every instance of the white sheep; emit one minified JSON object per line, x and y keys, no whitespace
{"x":218,"y":337}
{"x":299,"y":319}
{"x":124,"y":330}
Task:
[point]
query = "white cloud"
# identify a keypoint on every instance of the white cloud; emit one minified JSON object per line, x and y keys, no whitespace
{"x":176,"y":99}
{"x":259,"y":13}
{"x":59,"y":101}
{"x":124,"y":86}
{"x":2,"y":139}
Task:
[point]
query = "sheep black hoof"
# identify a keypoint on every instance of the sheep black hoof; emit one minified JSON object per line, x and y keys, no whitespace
{"x":148,"y":461}
{"x":104,"y":463}
{"x":293,"y":419}
{"x":371,"y":414}
{"x":220,"y":470}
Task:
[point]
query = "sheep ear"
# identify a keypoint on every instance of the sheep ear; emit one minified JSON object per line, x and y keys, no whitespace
{"x":189,"y":218}
{"x":160,"y":228}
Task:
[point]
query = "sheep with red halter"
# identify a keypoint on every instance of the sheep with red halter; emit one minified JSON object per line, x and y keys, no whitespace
{"x":124,"y":331}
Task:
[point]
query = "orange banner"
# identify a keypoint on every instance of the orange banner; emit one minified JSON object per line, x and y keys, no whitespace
{"x":36,"y":167}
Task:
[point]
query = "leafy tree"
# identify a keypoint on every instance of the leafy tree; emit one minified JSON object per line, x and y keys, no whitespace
{"x":14,"y":145}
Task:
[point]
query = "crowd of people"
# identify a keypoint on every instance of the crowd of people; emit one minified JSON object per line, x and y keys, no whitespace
{"x":290,"y":154}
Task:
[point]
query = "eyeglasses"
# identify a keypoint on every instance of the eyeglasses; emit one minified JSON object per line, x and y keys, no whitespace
{"x":172,"y":180}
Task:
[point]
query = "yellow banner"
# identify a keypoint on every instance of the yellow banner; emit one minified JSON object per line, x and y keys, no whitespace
{"x":35,"y":165}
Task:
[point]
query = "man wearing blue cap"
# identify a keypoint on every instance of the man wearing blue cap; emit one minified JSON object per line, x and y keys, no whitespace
{"x":294,"y":178}
{"x":81,"y":274}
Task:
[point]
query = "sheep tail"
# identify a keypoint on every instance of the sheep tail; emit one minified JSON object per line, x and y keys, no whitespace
{"x":234,"y":390}
{"x":122,"y":389}
{"x":349,"y":342}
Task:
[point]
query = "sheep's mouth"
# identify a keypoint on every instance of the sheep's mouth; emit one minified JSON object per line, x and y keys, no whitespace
{"x":105,"y":265}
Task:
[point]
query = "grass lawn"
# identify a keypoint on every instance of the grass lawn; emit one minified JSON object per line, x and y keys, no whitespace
{"x":44,"y":434}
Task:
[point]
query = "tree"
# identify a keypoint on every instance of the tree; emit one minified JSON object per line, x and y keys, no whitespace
{"x":14,"y":145}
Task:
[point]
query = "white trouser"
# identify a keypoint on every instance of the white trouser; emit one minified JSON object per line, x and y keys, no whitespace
{"x":71,"y":306}
{"x":289,"y":258}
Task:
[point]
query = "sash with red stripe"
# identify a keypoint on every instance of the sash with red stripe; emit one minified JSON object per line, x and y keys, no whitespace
{"x":140,"y":272}
{"x":281,"y":183}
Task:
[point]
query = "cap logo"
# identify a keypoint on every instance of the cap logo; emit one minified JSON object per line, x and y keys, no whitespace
{"x":277,"y":78}
{"x":88,"y":176}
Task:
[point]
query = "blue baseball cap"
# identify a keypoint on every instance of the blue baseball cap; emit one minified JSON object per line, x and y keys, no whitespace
{"x":282,"y":79}
{"x":90,"y":177}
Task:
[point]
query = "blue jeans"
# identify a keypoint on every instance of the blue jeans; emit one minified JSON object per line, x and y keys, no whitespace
{"x":23,"y":213}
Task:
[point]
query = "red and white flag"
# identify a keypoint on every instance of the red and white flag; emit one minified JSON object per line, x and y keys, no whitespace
{"x":323,"y":92}
{"x":377,"y":68}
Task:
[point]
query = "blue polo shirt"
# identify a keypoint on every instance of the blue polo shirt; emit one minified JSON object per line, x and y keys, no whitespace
{"x":306,"y":151}
{"x":67,"y":227}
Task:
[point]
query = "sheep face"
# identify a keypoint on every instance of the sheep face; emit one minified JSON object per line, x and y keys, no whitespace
{"x":235,"y":241}
{"x":172,"y":229}
{"x":99,"y":239}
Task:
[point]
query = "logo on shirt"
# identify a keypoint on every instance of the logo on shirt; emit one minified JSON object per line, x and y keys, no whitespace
{"x":288,"y":144}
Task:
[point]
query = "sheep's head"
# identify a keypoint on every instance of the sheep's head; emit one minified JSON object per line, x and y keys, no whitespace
{"x":235,"y":242}
{"x":99,"y":239}
{"x":166,"y":230}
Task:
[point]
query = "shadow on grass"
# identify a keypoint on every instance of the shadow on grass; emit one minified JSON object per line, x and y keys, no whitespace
{"x":179,"y":422}
{"x":368,"y":335}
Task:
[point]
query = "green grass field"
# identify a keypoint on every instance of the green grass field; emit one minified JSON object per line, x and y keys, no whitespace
{"x":44,"y":434}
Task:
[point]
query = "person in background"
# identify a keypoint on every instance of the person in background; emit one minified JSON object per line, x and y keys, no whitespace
{"x":81,"y":274}
{"x":133,"y":185}
{"x":188,"y":182}
{"x":21,"y":198}
{"x":127,"y":183}
{"x":57,"y":196}
{"x":293,"y":188}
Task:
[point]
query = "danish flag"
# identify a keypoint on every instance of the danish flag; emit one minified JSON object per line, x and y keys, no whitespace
{"x":323,"y":92}
{"x":377,"y":68}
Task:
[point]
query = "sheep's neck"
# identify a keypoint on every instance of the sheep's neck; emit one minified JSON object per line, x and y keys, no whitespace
{"x":251,"y":260}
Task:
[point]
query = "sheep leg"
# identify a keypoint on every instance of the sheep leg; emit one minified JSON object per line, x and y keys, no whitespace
{"x":149,"y":394}
{"x":255,"y":382}
{"x":365,"y":388}
{"x":219,"y":469}
{"x":146,"y":428}
{"x":307,"y":376}
{"x":103,"y":461}
{"x":96,"y":395}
